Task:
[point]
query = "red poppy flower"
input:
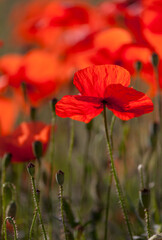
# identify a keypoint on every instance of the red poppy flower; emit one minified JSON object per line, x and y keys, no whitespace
{"x":9,"y":67}
{"x":8,"y":114}
{"x":19,"y":143}
{"x":103,"y":85}
{"x":151,"y":24}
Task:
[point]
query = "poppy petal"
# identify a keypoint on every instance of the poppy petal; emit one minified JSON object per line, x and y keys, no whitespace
{"x":79,"y":107}
{"x":127,"y":103}
{"x":19,"y":143}
{"x":93,"y":80}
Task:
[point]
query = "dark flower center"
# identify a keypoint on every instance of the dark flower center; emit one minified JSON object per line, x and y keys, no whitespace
{"x":104,"y":101}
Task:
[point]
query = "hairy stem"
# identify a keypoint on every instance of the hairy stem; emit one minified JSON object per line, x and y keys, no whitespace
{"x":117,"y":183}
{"x":110,"y":180}
{"x":37,"y":207}
{"x":32,"y":225}
{"x":62,"y":210}
{"x":12,"y":221}
{"x":147,"y":219}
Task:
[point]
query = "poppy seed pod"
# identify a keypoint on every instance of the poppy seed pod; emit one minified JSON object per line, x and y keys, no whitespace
{"x":60,"y":177}
{"x":7,"y":159}
{"x":155,"y":59}
{"x":138,"y":66}
{"x":31,"y":169}
{"x":33,"y":113}
{"x":53,"y":103}
{"x":156,"y":237}
{"x":37,"y":149}
{"x":38,"y":195}
{"x":145,"y":198}
{"x":11,"y":209}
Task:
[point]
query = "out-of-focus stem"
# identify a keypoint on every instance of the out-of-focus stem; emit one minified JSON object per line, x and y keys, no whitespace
{"x":71,"y":144}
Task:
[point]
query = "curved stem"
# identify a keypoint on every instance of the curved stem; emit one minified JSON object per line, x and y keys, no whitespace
{"x":118,"y":187}
{"x":37,"y":207}
{"x":32,"y":225}
{"x":12,"y":221}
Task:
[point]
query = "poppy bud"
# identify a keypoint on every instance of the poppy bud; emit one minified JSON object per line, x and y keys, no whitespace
{"x":38,"y":195}
{"x":53,"y":104}
{"x":60,"y":177}
{"x":153,"y":134}
{"x":156,"y":237}
{"x":37,"y":149}
{"x":11,"y":209}
{"x":7,"y":192}
{"x":138,"y":66}
{"x":89,"y":125}
{"x":45,"y":177}
{"x":155,"y":59}
{"x":7,"y":159}
{"x":33,"y":113}
{"x":31,"y":169}
{"x":145,"y":198}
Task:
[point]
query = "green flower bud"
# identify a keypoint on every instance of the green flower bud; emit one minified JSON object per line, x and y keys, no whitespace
{"x":6,"y":159}
{"x":7,"y":191}
{"x":11,"y":209}
{"x":37,"y":149}
{"x":145,"y":198}
{"x":155,"y":59}
{"x":31,"y":169}
{"x":60,"y":177}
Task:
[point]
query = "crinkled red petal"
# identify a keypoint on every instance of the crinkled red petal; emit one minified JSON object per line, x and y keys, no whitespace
{"x":79,"y":107}
{"x":93,"y":80}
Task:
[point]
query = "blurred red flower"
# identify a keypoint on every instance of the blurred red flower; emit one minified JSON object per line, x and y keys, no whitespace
{"x":151,"y":24}
{"x":40,"y":70}
{"x":19,"y":143}
{"x":8,"y":114}
{"x":103,"y":85}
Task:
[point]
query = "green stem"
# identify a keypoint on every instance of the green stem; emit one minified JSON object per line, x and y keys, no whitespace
{"x":157,"y":98}
{"x":111,"y":129}
{"x":70,"y":156}
{"x":118,"y":187}
{"x":107,"y":206}
{"x":52,"y":144}
{"x":4,"y":231}
{"x":62,"y":210}
{"x":37,"y":207}
{"x":32,"y":225}
{"x":147,"y":219}
{"x":12,"y":221}
{"x":110,"y":181}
